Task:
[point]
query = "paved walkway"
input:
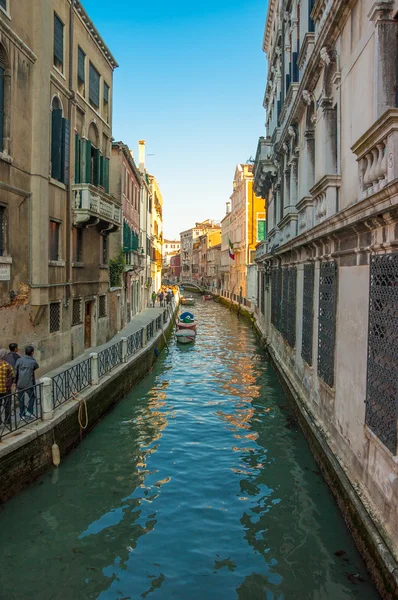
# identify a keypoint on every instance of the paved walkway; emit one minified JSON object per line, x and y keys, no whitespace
{"x":139,"y":321}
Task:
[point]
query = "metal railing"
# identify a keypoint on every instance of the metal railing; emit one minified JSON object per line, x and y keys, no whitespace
{"x":109,"y":358}
{"x":20,"y":408}
{"x":165,"y":316}
{"x":73,"y":380}
{"x":158,"y":322}
{"x":150,"y":330}
{"x":134,"y":342}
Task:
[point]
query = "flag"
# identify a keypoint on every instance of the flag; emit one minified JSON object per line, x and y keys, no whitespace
{"x":231,"y":250}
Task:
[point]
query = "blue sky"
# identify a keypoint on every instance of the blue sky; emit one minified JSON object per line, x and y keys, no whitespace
{"x":190,"y":81}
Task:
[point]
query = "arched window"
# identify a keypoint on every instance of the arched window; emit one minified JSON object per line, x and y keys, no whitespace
{"x":60,"y":143}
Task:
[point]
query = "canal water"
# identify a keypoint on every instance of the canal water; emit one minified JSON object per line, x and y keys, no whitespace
{"x":198,"y":486}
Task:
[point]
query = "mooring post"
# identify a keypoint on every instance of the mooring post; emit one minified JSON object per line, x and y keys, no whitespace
{"x":94,"y":368}
{"x":47,"y":398}
{"x":124,"y":349}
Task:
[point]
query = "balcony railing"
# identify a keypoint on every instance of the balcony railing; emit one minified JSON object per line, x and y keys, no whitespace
{"x":91,"y":205}
{"x":264,"y":168}
{"x":376,"y":154}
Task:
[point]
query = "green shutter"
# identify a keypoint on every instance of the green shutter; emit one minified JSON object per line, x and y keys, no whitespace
{"x":126,"y":237}
{"x":80,"y":65}
{"x":58,"y":39}
{"x":261,"y":230}
{"x":1,"y":108}
{"x":101,"y":178}
{"x":106,"y":92}
{"x":87,"y":164}
{"x":56,"y":143}
{"x":93,"y":94}
{"x":96,"y":171}
{"x":106,"y":175}
{"x":77,"y":158}
{"x":65,"y":151}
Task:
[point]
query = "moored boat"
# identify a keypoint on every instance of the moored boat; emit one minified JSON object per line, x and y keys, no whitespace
{"x":186,"y":321}
{"x":187,"y":301}
{"x":185,"y":336}
{"x":207,"y":297}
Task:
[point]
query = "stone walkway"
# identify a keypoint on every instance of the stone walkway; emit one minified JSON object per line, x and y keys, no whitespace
{"x":139,"y":321}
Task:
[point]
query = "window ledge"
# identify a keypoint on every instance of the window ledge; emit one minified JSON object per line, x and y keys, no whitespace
{"x":104,"y":266}
{"x":56,"y":263}
{"x":7,"y":14}
{"x":57,"y":183}
{"x":78,"y":265}
{"x":6,"y":157}
{"x":5,"y":260}
{"x":59,"y":72}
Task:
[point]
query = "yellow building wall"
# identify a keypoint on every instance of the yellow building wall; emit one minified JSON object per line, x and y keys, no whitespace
{"x":255,"y":212}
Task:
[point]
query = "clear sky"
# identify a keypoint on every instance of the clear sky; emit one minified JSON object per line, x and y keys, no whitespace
{"x":191,"y":82}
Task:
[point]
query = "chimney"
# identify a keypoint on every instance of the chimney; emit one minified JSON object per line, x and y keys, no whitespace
{"x":141,"y":155}
{"x":228,"y":205}
{"x":131,"y":154}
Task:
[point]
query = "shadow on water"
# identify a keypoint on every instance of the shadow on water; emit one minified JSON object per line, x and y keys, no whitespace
{"x":199,"y":485}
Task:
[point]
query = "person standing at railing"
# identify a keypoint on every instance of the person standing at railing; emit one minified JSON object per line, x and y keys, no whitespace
{"x":13,"y":355}
{"x":153,"y":299}
{"x":6,"y":379}
{"x":25,"y":380}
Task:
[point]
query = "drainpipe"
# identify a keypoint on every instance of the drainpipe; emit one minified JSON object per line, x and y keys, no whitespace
{"x":68,"y":271}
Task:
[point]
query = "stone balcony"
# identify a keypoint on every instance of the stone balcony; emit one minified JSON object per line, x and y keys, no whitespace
{"x":92,"y":206}
{"x":377,"y":152}
{"x":261,"y":251}
{"x":135,"y":261}
{"x":264,"y":169}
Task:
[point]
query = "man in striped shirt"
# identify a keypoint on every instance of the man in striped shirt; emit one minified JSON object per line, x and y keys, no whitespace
{"x":6,"y":378}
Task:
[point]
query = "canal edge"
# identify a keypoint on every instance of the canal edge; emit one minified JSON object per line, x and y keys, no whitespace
{"x":28,"y":454}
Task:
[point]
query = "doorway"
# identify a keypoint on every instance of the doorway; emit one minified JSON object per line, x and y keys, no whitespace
{"x":87,"y":324}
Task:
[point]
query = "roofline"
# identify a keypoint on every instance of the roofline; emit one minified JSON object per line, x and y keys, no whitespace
{"x":268,"y":20}
{"x":95,"y":33}
{"x":126,"y":152}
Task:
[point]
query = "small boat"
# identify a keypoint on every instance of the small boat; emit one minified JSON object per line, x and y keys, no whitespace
{"x":188,"y":301}
{"x":207,"y":297}
{"x":185,"y":336}
{"x":186,"y":321}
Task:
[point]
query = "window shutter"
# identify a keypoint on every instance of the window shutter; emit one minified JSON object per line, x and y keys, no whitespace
{"x":80,"y":65}
{"x":65,"y":158}
{"x":260,"y":230}
{"x":3,"y":4}
{"x":87,"y":171}
{"x":58,"y":39}
{"x":101,"y":178}
{"x":106,"y":92}
{"x":56,"y":141}
{"x":106,"y":175}
{"x":77,"y":158}
{"x":1,"y":107}
{"x":94,"y":86}
{"x":96,"y":174}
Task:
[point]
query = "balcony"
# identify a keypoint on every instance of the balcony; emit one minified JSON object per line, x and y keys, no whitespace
{"x":376,"y":153}
{"x":264,"y":169}
{"x":92,"y":206}
{"x":135,"y":261}
{"x":261,"y":250}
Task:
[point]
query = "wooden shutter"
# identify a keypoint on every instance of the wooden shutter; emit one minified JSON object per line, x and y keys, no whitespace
{"x":96,"y":174}
{"x":77,"y":158}
{"x":58,"y":39}
{"x":94,"y":94}
{"x":260,"y":230}
{"x":80,"y":65}
{"x":87,"y":155}
{"x":56,"y":143}
{"x":101,"y":178}
{"x":106,"y":175}
{"x":1,"y":108}
{"x":65,"y":151}
{"x":3,"y":4}
{"x":106,"y":92}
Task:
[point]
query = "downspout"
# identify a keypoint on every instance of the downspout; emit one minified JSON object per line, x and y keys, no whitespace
{"x":68,"y":184}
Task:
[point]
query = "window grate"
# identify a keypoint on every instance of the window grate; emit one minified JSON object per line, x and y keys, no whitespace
{"x":327,"y":321}
{"x":77,"y":311}
{"x":308,"y":313}
{"x":102,"y":306}
{"x":382,"y":379}
{"x":291,"y":307}
{"x":55,"y":317}
{"x":276,"y":290}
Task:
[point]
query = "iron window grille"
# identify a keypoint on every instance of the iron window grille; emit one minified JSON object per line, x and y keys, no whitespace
{"x":284,"y":302}
{"x":327,"y":321}
{"x":77,"y":311}
{"x":55,"y":317}
{"x":291,"y":307}
{"x":102,"y":306}
{"x":308,"y":313}
{"x":382,"y":375}
{"x":276,"y":291}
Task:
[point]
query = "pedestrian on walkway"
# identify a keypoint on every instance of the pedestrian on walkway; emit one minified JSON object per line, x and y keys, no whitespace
{"x":153,"y":299}
{"x":161,"y":298}
{"x":168,"y":297}
{"x":6,"y":379}
{"x":13,"y":355}
{"x":25,"y":380}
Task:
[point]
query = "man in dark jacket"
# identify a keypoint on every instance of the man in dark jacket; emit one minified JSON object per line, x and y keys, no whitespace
{"x":25,"y":380}
{"x":12,"y":355}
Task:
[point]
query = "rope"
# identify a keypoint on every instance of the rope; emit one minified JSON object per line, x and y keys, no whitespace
{"x":82,"y":406}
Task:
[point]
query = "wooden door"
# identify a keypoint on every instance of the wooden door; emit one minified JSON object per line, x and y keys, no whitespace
{"x":87,"y":325}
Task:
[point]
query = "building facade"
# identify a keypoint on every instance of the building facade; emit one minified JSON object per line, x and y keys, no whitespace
{"x":59,"y":299}
{"x":190,"y":260}
{"x":156,"y":233}
{"x":242,"y":228}
{"x":170,"y":248}
{"x":174,"y":272}
{"x":327,"y":281}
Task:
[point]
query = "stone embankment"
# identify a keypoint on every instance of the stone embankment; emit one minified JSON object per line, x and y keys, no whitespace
{"x":95,"y":383}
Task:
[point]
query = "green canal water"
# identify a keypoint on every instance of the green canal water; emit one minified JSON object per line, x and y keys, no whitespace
{"x":198,"y":486}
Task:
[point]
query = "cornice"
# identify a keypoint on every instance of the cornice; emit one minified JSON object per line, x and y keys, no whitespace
{"x":268,"y":24}
{"x":95,"y":34}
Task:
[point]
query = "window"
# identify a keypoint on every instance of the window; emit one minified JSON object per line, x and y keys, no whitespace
{"x":81,"y":71}
{"x":54,"y":240}
{"x":94,"y":91}
{"x":104,"y":250}
{"x":102,"y":306}
{"x":58,"y":44}
{"x":60,"y":143}
{"x":3,"y":4}
{"x":2,"y":231}
{"x":106,"y":102}
{"x":77,"y":311}
{"x":260,"y":230}
{"x":327,"y":321}
{"x":55,"y":317}
{"x":77,"y":245}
